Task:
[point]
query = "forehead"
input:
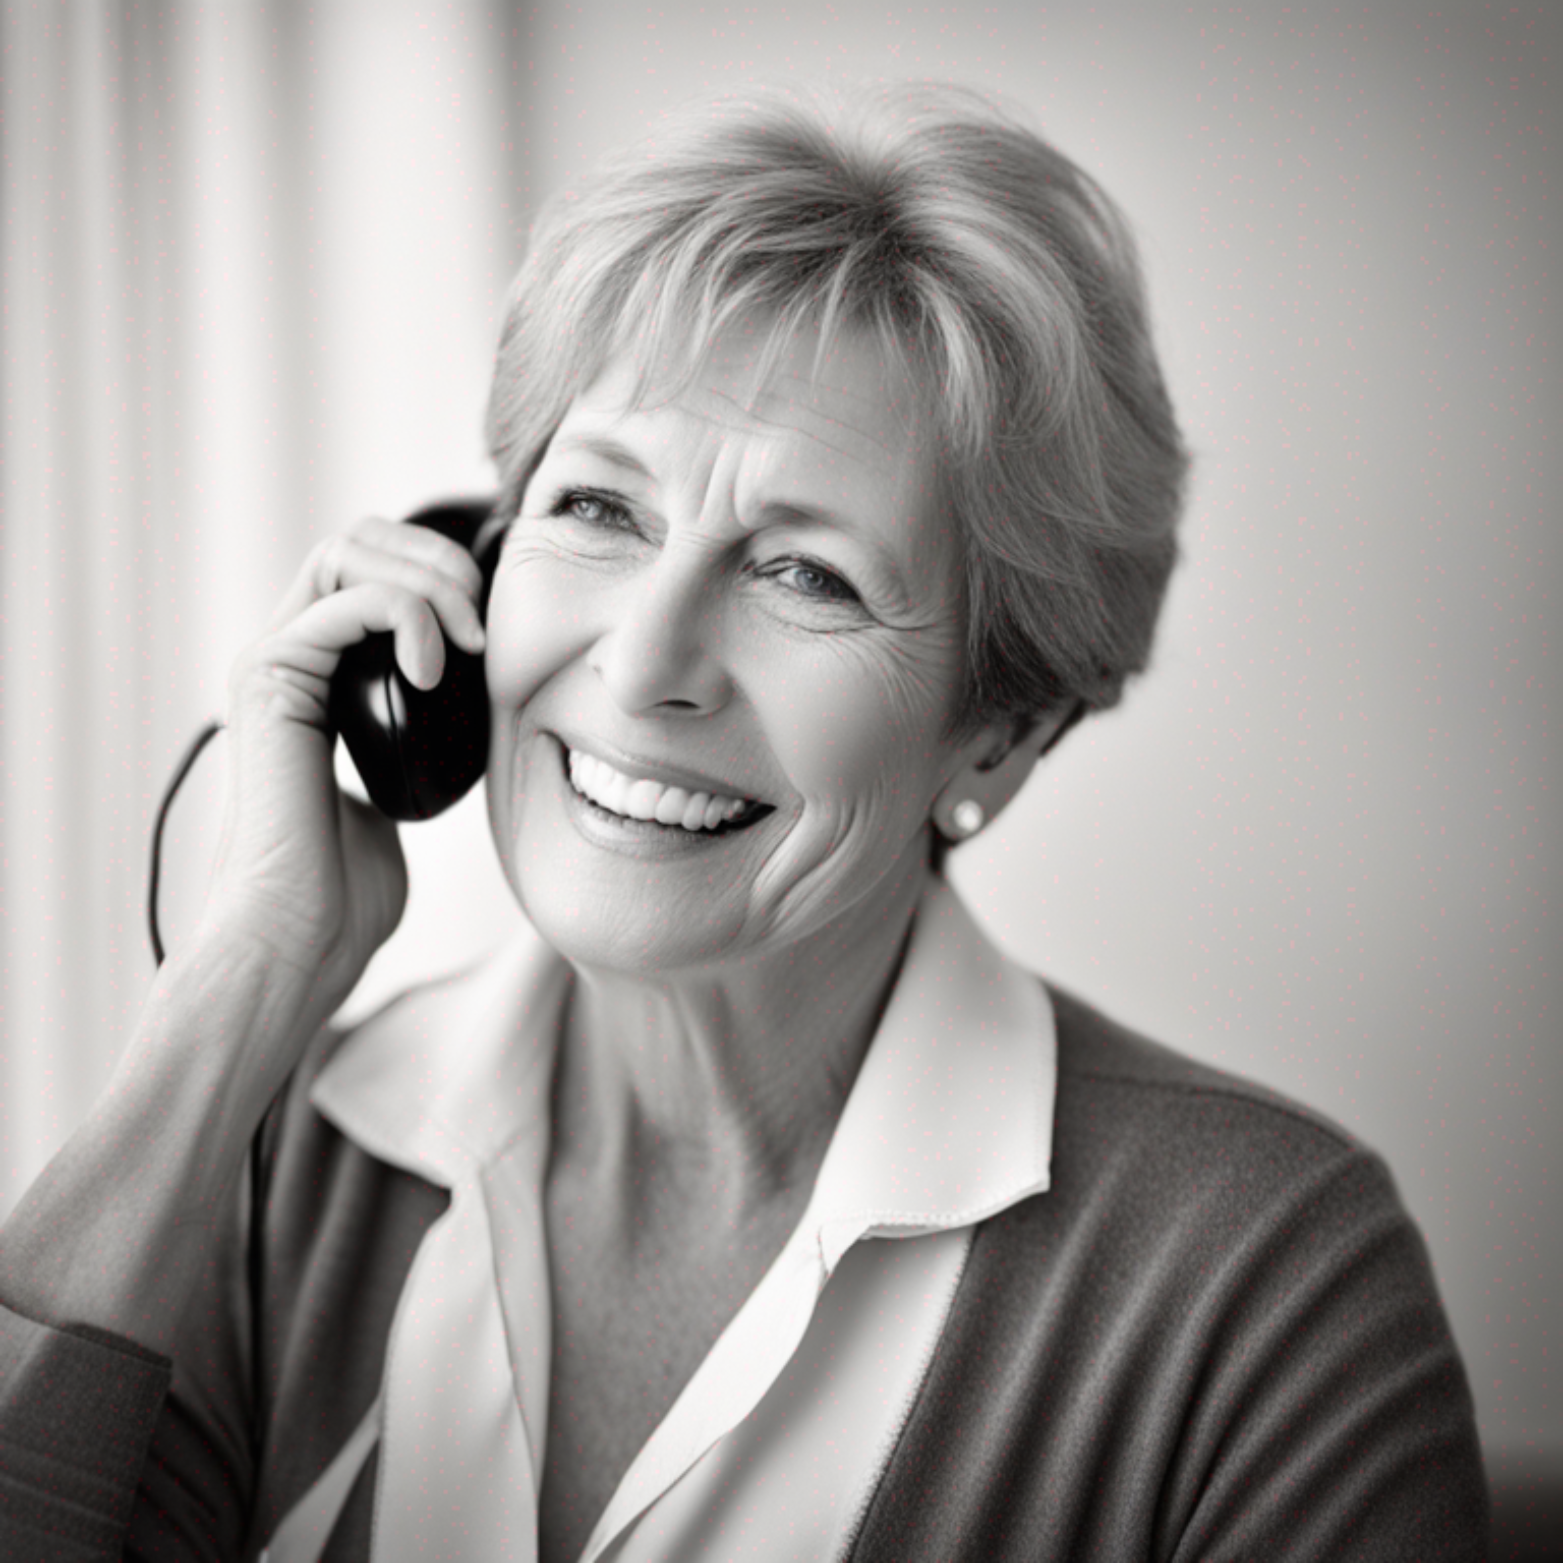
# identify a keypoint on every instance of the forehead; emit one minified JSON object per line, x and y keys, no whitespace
{"x":850,"y":411}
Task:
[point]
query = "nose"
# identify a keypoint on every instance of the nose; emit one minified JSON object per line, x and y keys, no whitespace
{"x":656,"y":656}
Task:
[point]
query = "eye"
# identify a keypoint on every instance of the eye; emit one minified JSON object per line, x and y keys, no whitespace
{"x":812,"y":580}
{"x":593,"y":507}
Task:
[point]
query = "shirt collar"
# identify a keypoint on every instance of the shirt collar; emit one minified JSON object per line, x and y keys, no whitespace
{"x":951,"y":1116}
{"x":949,"y":1120}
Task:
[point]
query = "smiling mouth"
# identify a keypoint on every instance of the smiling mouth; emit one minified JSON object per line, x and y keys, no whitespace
{"x":655,"y":803}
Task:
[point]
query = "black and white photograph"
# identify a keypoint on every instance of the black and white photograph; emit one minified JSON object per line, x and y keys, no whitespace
{"x":777,"y":784}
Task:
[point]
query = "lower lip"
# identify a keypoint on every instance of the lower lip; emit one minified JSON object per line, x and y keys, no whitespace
{"x":632,"y":837}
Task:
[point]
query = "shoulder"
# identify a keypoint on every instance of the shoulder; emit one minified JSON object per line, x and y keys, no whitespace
{"x":1098,"y":1054}
{"x":1184,"y":1187}
{"x":1215,"y":1334}
{"x":1185,"y":1136}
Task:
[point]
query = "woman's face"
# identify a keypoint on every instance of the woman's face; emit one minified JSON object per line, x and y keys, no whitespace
{"x":712,"y":613}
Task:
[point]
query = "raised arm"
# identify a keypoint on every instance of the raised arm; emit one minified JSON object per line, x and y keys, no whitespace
{"x":101,"y":1257}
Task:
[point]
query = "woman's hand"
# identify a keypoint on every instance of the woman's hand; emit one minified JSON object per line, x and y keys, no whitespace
{"x":314,"y":878}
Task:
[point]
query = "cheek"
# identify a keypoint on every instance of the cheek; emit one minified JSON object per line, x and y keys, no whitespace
{"x":855,"y":728}
{"x":534,"y":628}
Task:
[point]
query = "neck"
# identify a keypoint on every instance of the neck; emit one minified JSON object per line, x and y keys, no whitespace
{"x":724,"y":1084}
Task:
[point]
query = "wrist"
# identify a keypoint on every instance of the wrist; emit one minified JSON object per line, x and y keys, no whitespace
{"x":229,"y":1014}
{"x":296,"y":964}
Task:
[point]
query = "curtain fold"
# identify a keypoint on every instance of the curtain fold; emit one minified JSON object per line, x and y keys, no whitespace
{"x":252,"y":258}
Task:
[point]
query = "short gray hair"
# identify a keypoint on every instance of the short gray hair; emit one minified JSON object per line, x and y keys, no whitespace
{"x":974,"y":253}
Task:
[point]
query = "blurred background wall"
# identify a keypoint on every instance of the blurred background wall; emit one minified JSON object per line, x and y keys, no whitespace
{"x":253,"y":258}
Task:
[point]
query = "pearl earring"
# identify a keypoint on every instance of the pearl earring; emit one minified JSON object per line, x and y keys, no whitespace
{"x":967,"y":817}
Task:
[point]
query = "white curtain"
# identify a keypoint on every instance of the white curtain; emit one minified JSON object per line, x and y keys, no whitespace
{"x":253,"y":257}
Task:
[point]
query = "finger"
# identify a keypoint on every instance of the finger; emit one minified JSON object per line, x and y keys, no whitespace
{"x":357,"y":561}
{"x":312,"y":643}
{"x":424,"y":545}
{"x":346,"y":561}
{"x":330,"y":563}
{"x":420,"y":647}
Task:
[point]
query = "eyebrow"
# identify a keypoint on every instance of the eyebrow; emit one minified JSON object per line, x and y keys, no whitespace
{"x":608,"y":450}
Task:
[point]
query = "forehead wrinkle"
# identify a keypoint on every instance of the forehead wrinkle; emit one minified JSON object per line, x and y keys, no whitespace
{"x":808,"y":407}
{"x":800,"y":507}
{"x":906,"y":413}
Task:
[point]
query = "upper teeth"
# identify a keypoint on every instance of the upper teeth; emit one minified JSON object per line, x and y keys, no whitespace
{"x":637,"y":798}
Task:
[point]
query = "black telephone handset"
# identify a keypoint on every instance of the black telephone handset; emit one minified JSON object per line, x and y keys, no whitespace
{"x":418,"y":750}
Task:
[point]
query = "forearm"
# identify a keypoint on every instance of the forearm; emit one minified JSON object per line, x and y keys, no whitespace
{"x":116,"y":1229}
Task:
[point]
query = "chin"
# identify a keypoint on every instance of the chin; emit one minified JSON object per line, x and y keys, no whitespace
{"x":642,"y":935}
{"x":646,"y":919}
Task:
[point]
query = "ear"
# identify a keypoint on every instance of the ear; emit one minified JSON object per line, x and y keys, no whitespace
{"x":994,"y":765}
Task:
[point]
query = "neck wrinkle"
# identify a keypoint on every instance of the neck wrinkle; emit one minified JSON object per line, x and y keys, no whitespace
{"x":724,"y":1088}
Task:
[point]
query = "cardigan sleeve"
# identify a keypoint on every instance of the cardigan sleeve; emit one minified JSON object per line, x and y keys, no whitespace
{"x":110,"y":1451}
{"x":77,"y":1413}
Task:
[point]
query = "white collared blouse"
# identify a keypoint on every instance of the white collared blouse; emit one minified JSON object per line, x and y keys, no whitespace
{"x":779,"y":1438}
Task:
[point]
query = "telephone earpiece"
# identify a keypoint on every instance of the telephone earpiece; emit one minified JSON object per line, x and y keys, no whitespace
{"x":418,"y":750}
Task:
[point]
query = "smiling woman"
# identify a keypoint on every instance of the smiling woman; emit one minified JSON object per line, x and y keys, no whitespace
{"x":747,"y":598}
{"x":751,"y":1204}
